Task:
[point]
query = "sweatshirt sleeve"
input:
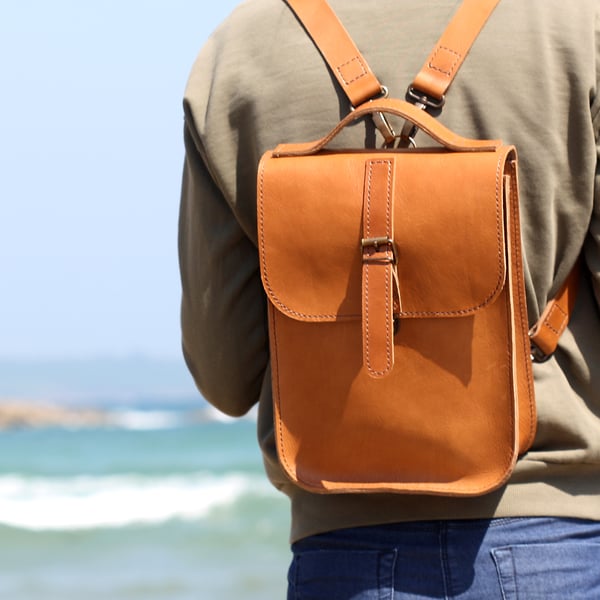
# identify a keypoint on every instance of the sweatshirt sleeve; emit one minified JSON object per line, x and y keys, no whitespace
{"x":592,"y":248}
{"x":223,"y":310}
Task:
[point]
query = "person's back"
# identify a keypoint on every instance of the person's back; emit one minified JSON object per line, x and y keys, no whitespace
{"x":531,"y":79}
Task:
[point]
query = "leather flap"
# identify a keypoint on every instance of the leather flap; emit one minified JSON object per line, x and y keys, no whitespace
{"x":448,"y":231}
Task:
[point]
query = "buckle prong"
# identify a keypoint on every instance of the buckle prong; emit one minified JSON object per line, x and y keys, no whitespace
{"x":376,"y":242}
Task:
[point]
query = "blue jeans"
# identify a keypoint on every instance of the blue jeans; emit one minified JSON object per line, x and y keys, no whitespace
{"x":509,"y":558}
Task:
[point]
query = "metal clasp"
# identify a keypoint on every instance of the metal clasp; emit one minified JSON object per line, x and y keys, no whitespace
{"x":422,"y":98}
{"x":423,"y":101}
{"x":537,"y":355}
{"x":380,"y":120}
{"x":381,"y":241}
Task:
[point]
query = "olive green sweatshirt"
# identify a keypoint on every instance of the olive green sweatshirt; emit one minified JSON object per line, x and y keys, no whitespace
{"x":531,"y":80}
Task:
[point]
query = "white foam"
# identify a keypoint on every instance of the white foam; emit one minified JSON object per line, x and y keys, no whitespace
{"x":89,"y":502}
{"x":150,"y":420}
{"x":146,"y":420}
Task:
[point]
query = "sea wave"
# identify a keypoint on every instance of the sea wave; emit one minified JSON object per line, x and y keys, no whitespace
{"x":92,"y":502}
{"x":147,"y":420}
{"x":152,"y":420}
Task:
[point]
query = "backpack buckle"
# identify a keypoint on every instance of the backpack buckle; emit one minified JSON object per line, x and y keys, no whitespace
{"x":376,"y":242}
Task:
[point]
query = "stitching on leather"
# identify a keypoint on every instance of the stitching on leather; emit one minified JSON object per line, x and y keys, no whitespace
{"x":388,"y":283}
{"x":452,"y":67}
{"x":367,"y":344}
{"x":558,"y":331}
{"x":388,"y":355}
{"x":371,"y":163}
{"x":277,"y":395}
{"x":509,"y":359}
{"x":362,"y":66}
{"x":522,"y":302}
{"x":367,"y":311}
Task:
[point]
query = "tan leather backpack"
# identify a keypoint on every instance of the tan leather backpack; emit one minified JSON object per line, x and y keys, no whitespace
{"x":400,"y":350}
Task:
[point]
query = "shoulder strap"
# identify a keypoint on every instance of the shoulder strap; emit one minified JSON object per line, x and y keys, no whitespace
{"x":338,"y":49}
{"x":354,"y":74}
{"x":446,"y":58}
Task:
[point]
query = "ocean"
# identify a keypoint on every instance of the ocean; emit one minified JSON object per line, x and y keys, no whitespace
{"x":153,"y":506}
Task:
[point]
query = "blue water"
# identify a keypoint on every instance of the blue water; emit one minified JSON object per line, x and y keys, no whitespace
{"x":156,"y":508}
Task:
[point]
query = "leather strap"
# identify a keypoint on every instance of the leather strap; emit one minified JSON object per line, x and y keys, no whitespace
{"x":544,"y":335}
{"x":338,"y":49}
{"x":380,"y":290}
{"x":446,"y":58}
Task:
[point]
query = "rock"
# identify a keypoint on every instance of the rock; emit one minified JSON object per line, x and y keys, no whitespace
{"x":28,"y":414}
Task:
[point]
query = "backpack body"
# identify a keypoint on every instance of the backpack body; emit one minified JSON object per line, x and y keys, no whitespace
{"x":402,"y":366}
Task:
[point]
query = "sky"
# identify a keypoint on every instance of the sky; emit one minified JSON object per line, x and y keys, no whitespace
{"x":91,"y":155}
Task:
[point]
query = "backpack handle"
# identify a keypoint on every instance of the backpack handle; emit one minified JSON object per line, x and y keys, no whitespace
{"x":405,"y":110}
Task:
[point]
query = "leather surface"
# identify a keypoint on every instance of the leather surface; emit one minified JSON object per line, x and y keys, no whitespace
{"x":456,"y":408}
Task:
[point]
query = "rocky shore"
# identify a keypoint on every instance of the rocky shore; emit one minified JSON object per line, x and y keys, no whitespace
{"x":15,"y":414}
